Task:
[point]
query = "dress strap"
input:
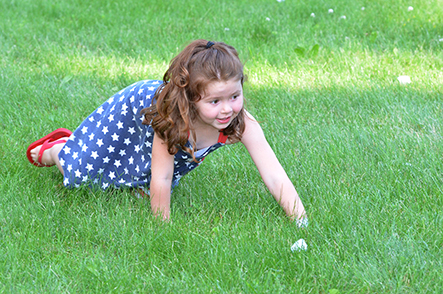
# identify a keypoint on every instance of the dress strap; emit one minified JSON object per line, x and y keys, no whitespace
{"x":222,"y":138}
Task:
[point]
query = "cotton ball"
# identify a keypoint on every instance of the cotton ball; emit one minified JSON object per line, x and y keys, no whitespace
{"x":299,"y":245}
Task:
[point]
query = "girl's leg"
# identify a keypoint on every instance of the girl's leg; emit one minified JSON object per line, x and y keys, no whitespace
{"x":50,"y":155}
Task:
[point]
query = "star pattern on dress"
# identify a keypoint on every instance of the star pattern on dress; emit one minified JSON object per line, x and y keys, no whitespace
{"x":112,"y":148}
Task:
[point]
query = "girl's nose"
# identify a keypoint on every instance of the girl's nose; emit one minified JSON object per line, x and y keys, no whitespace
{"x":226,"y":108}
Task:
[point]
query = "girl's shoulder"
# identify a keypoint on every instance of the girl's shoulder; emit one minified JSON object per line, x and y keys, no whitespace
{"x":253,"y":130}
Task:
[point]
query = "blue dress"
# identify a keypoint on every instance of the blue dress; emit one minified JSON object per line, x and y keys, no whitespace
{"x":112,"y":148}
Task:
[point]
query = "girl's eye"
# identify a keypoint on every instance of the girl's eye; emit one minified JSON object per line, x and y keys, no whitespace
{"x":234,"y":97}
{"x":214,"y":102}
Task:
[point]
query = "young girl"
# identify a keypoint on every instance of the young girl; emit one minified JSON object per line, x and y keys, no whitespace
{"x":152,"y":133}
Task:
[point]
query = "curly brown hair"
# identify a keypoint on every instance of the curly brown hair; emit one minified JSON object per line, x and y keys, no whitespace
{"x":189,"y":73}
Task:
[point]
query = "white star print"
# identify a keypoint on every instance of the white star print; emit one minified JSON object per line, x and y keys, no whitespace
{"x":131,"y":160}
{"x":106,"y":159}
{"x":84,"y":130}
{"x":111,"y":117}
{"x":77,"y":173}
{"x":131,"y":130}
{"x":127,"y":141}
{"x":117,"y":163}
{"x":69,"y":167}
{"x":75,"y":155}
{"x":91,"y":118}
{"x":100,"y":110}
{"x":120,"y":125}
{"x":111,"y":175}
{"x":111,"y":149}
{"x":62,"y":162}
{"x":105,"y":130}
{"x":110,"y":100}
{"x":115,"y":137}
{"x":94,"y":154}
{"x":100,"y":142}
{"x":91,"y":136}
{"x":122,"y":152}
{"x":67,"y":150}
{"x":89,"y":167}
{"x":84,"y":147}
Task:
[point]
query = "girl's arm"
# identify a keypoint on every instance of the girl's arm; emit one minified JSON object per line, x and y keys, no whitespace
{"x":271,"y":171}
{"x":162,"y":170}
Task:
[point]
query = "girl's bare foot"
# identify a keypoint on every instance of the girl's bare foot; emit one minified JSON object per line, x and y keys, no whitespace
{"x":50,"y":155}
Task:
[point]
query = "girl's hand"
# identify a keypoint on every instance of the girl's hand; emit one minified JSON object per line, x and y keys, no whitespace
{"x":271,"y":171}
{"x":162,"y":170}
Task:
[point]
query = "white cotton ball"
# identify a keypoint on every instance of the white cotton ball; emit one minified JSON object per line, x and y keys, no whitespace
{"x":302,"y":223}
{"x":404,"y":80}
{"x":299,"y":245}
{"x":410,"y":8}
{"x":330,"y":11}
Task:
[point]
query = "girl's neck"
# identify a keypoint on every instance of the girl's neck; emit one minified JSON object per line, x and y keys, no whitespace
{"x":204,"y":136}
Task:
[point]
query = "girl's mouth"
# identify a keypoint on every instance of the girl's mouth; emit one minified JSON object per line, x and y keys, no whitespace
{"x":224,"y":120}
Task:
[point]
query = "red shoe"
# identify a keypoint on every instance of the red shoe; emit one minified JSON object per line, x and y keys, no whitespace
{"x":47,"y":142}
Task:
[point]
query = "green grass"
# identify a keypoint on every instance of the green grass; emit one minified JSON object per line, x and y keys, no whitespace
{"x":364,"y":152}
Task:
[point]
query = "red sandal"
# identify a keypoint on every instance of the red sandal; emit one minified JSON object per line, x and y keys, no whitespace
{"x":47,"y":142}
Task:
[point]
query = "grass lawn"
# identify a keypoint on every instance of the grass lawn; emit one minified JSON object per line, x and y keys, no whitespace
{"x":364,"y":152}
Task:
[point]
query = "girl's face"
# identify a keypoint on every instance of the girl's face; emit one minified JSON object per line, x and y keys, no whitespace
{"x":220,"y":104}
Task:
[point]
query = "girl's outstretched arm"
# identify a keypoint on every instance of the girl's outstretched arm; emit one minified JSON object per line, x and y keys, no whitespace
{"x":271,"y":171}
{"x":162,"y":170}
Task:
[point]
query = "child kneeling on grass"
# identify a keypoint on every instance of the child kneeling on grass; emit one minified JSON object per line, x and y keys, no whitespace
{"x":152,"y":133}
